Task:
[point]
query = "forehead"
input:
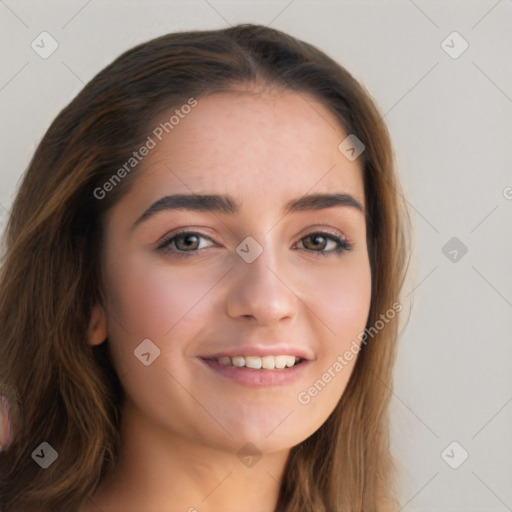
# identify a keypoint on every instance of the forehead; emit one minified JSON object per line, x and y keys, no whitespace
{"x":264,"y":147}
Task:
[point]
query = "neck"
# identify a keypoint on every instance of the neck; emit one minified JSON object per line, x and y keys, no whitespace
{"x":157,"y":471}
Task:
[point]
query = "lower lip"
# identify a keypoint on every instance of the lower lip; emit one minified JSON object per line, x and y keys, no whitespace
{"x":258,"y":378}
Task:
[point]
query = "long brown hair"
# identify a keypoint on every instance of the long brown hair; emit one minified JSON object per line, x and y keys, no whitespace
{"x":67,"y":392}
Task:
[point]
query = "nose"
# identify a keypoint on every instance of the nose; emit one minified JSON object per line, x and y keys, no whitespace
{"x":260,"y":292}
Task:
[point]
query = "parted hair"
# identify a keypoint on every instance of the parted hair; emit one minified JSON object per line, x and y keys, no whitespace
{"x":64,"y":391}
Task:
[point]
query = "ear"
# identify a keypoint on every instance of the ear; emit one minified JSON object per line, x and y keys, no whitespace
{"x":98,"y":326}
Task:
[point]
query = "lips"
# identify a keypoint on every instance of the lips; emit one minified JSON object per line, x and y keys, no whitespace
{"x":260,"y":365}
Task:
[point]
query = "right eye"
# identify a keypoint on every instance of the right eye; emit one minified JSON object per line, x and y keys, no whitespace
{"x":186,"y":249}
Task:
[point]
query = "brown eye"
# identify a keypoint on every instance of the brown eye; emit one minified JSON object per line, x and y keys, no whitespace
{"x":184,"y":242}
{"x":190,"y":242}
{"x":320,"y":241}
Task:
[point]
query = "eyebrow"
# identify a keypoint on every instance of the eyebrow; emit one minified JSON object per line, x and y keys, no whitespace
{"x":228,"y":205}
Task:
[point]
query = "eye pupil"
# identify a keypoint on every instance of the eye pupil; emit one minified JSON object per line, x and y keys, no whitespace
{"x":316,"y":238}
{"x":187,"y":238}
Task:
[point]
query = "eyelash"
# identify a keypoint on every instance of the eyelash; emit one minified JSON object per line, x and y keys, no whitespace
{"x":163,"y":245}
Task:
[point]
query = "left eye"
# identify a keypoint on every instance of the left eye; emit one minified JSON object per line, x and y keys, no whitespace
{"x":173,"y":245}
{"x":340,"y":245}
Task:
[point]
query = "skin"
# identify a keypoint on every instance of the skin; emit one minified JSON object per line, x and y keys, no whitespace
{"x":180,"y":418}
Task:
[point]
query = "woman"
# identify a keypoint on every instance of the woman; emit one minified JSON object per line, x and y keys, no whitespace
{"x":247,"y":369}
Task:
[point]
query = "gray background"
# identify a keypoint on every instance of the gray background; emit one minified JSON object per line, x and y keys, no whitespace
{"x":450,"y":120}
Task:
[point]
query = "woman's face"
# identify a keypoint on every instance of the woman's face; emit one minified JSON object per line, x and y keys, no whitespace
{"x":194,"y":291}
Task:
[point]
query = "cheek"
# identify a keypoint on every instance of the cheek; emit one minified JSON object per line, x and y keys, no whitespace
{"x":148,"y":300}
{"x":342,"y":301}
{"x":342,"y":304}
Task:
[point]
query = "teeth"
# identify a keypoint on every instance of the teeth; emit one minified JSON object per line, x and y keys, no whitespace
{"x":289,"y":361}
{"x":280,"y":362}
{"x":257,"y":363}
{"x":238,"y":361}
{"x":268,"y":362}
{"x":253,"y":362}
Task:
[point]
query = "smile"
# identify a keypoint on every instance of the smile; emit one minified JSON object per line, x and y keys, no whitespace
{"x":279,"y":362}
{"x":258,"y":371}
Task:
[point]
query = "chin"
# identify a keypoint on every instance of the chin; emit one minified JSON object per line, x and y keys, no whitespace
{"x":272,"y":432}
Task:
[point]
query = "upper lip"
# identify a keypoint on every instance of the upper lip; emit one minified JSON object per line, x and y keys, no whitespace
{"x":262,"y":350}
